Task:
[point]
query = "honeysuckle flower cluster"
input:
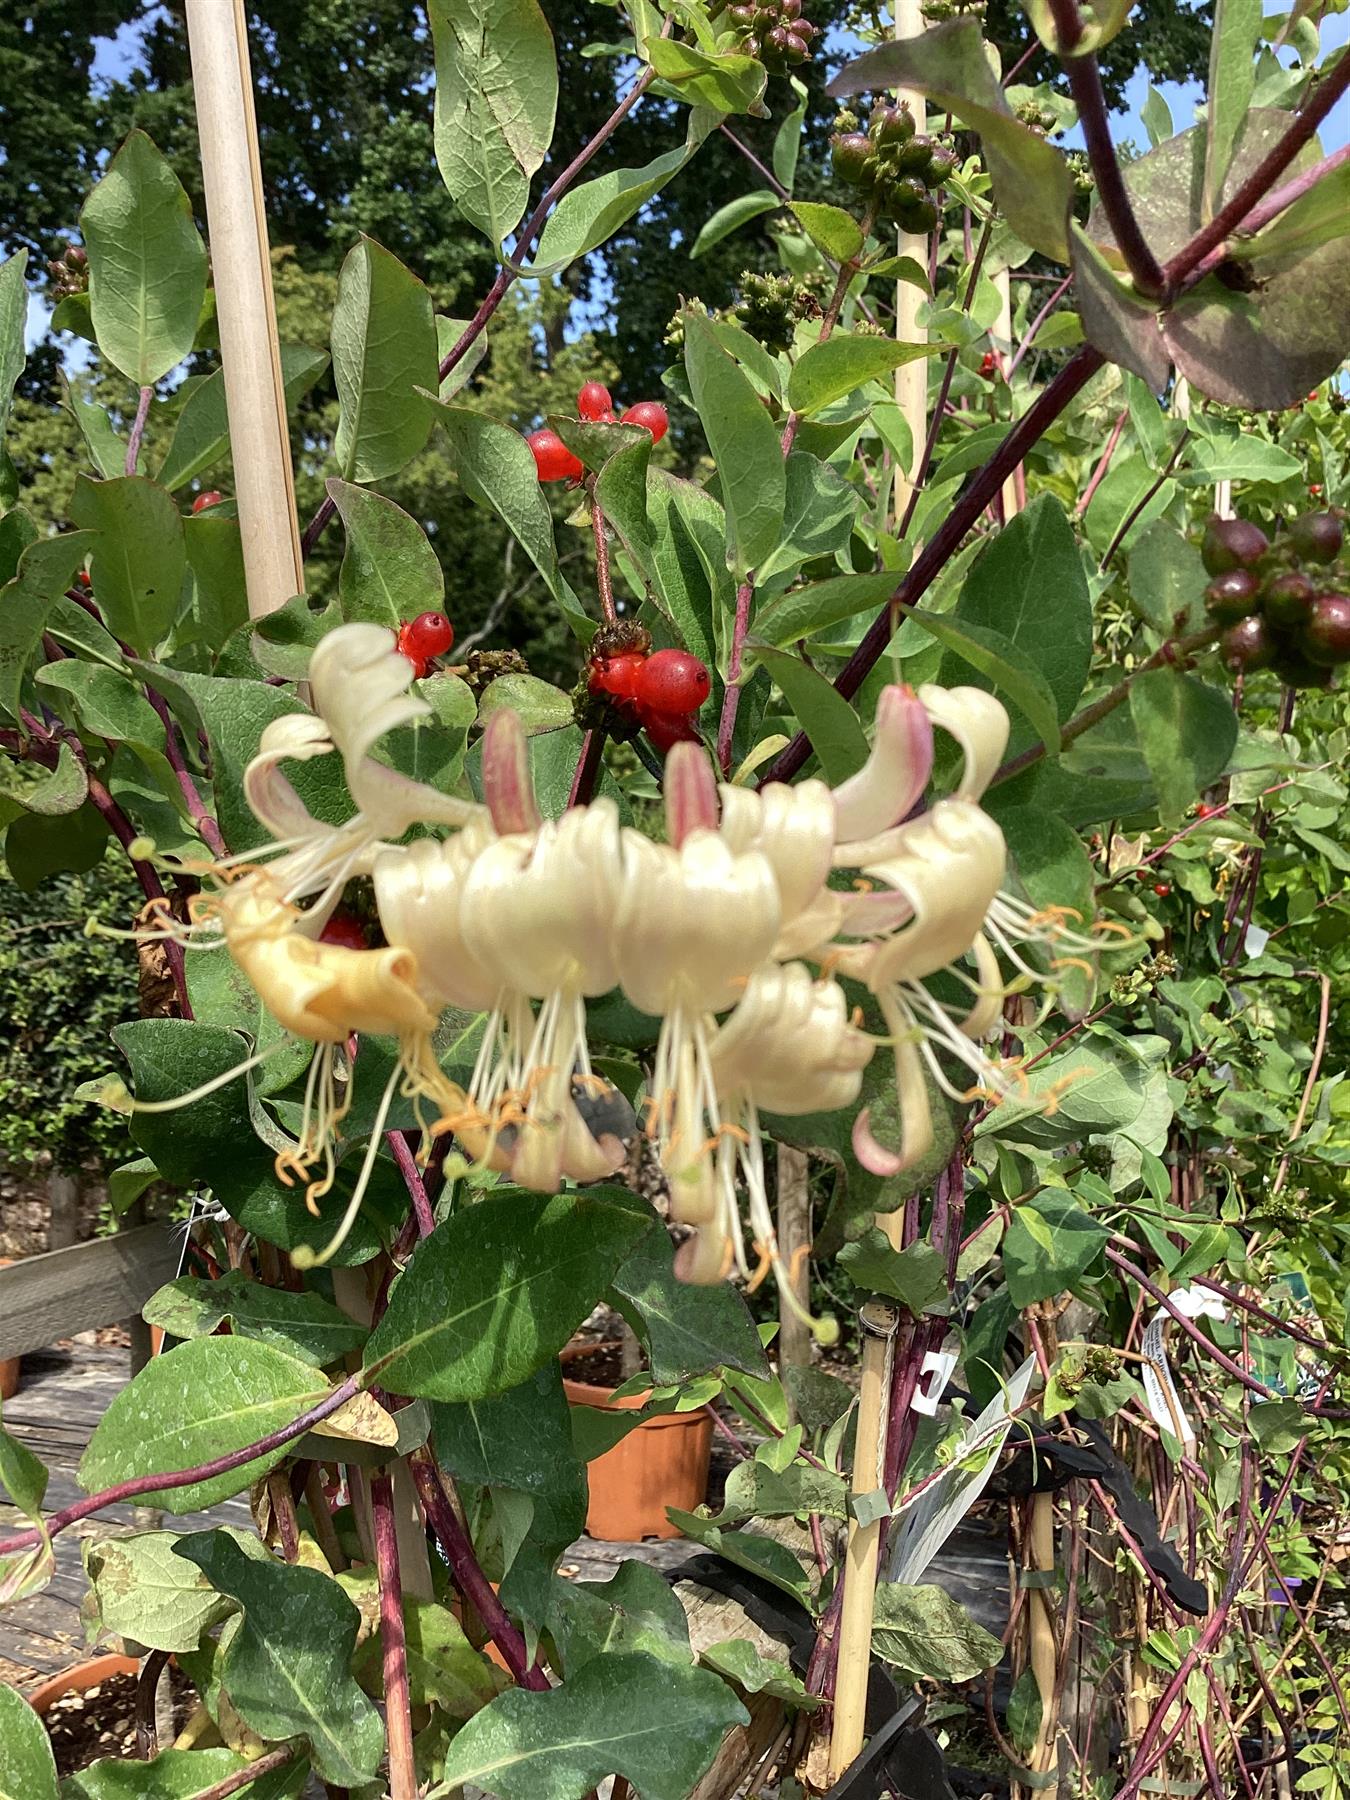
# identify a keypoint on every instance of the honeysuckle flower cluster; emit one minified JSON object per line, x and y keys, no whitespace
{"x":736,"y":932}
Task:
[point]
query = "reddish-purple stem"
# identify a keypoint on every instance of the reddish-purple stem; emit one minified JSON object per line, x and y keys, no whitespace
{"x":393,"y":1642}
{"x":466,"y":1574}
{"x":178,"y":1478}
{"x":1033,"y":329}
{"x":133,"y":455}
{"x":207,"y":829}
{"x":731,"y":698}
{"x":406,"y":1163}
{"x":1103,"y":463}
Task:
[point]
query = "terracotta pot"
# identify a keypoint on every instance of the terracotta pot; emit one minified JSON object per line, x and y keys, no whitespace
{"x":80,"y":1678}
{"x":663,"y":1462}
{"x":9,"y":1365}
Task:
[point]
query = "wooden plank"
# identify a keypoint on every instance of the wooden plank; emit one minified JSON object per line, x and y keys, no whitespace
{"x":47,"y":1297}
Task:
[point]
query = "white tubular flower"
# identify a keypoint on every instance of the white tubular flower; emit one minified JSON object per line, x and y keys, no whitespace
{"x":891,"y":781}
{"x":536,"y":914}
{"x":790,"y":1046}
{"x":979,"y":724}
{"x":418,"y":892}
{"x":793,"y":828}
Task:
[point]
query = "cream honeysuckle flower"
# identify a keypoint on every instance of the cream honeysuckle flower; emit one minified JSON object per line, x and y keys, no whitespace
{"x":692,"y":921}
{"x":789,"y":1047}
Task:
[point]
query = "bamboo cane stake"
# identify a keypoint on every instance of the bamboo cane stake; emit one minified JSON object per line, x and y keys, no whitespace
{"x":250,"y":355}
{"x":878,"y":1320}
{"x":911,"y":380}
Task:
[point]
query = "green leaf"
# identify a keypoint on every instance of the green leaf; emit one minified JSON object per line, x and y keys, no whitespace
{"x":1232,"y":82}
{"x":1156,"y":117}
{"x":1049,"y":1243}
{"x":215,"y":553}
{"x":27,"y":1766}
{"x":1210,"y":1246}
{"x":496,"y":470}
{"x":138,"y":557}
{"x":751,"y":1550}
{"x":202,"y":435}
{"x":58,"y":791}
{"x":539,"y":705}
{"x":830,"y":229}
{"x":827,"y":372}
{"x":818,"y":514}
{"x":46,"y":569}
{"x":923,"y":1631}
{"x":688,"y":1330}
{"x":1029,"y":586}
{"x":1223,"y":452}
{"x":1166,"y":578}
{"x":594,"y":443}
{"x":1024,"y":1703}
{"x":13,"y":320}
{"x":688,"y":538}
{"x":389,"y":569}
{"x":636,"y":1610}
{"x":1005,"y":669}
{"x":448,"y":334}
{"x":444,"y":1669}
{"x":628,"y":1714}
{"x":199,"y":1402}
{"x":495,"y":1291}
{"x":178,"y":1775}
{"x":147,"y":264}
{"x":787,"y":140}
{"x":818,"y":1399}
{"x":1187,"y":731}
{"x":822,"y":712}
{"x":303,"y":1324}
{"x":585,"y":217}
{"x":753,"y":1490}
{"x":916,"y":1277}
{"x":1318,"y":218}
{"x":384,"y":351}
{"x":496,"y":95}
{"x":732,"y":216}
{"x":1099,"y":22}
{"x":287,"y":1669}
{"x":36,"y":847}
{"x":744,"y":443}
{"x":814,"y":608}
{"x":1114,"y":319}
{"x":729,"y":82}
{"x":146,"y":1593}
{"x":22,"y":1476}
{"x":737,"y":1660}
{"x":17,"y":532}
{"x":521,"y":1439}
{"x":106,"y":702}
{"x":1277,"y":1425}
{"x":948,"y":62}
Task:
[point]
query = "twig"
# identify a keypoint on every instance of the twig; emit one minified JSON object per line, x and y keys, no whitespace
{"x":731,"y":696}
{"x":178,"y":1478}
{"x":1103,"y":464}
{"x":1123,"y":529}
{"x":1085,"y":84}
{"x":406,"y":1163}
{"x":207,"y":828}
{"x":466,"y":1574}
{"x":759,"y":167}
{"x":242,"y":1778}
{"x":393,"y":1642}
{"x":133,"y":455}
{"x":1189,"y":1326}
{"x":1035,"y":326}
{"x":588,"y":767}
{"x":147,"y":1687}
{"x":1314,"y":1070}
{"x":604,"y":580}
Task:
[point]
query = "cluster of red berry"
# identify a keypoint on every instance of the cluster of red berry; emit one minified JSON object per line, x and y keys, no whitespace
{"x":421,"y":639}
{"x":212,"y":497}
{"x":1283,"y":604}
{"x":552,"y":458}
{"x":661,"y":692}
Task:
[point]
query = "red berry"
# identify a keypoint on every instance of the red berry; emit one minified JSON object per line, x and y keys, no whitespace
{"x":429,"y":634}
{"x":675,"y":682}
{"x":651,"y":415}
{"x":988,"y":364}
{"x":1204,"y":811}
{"x":405,"y":647}
{"x":552,"y":458}
{"x":1315,"y":489}
{"x":665,"y":729}
{"x":1161,"y":889}
{"x":344,"y":930}
{"x":594,"y":403}
{"x":210,"y":498}
{"x":86,"y":580}
{"x":617,"y":676}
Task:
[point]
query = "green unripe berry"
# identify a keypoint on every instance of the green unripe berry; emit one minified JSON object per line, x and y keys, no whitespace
{"x":853,"y":157}
{"x":892,"y":125}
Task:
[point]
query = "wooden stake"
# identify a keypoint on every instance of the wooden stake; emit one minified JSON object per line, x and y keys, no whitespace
{"x":254,"y":397}
{"x":1004,"y":344}
{"x":794,"y":1239}
{"x":878,"y":1320}
{"x":911,"y":380}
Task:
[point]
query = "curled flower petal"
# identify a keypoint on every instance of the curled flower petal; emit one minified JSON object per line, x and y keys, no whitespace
{"x":916,"y":1119}
{"x":790,"y":1046}
{"x":895,"y":774}
{"x":507,"y":784}
{"x":418,"y":892}
{"x":793,"y":827}
{"x":979,"y":723}
{"x":949,"y":866}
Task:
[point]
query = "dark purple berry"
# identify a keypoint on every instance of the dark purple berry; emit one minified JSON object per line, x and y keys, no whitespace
{"x":1317,"y":537}
{"x":942,"y":165}
{"x":1288,"y":597}
{"x":914,"y":156}
{"x":853,"y":157}
{"x":1231,"y":596}
{"x":1232,"y":544}
{"x":1325,"y":639}
{"x":1247,"y":645}
{"x":1297,"y":671}
{"x":892,"y":125}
